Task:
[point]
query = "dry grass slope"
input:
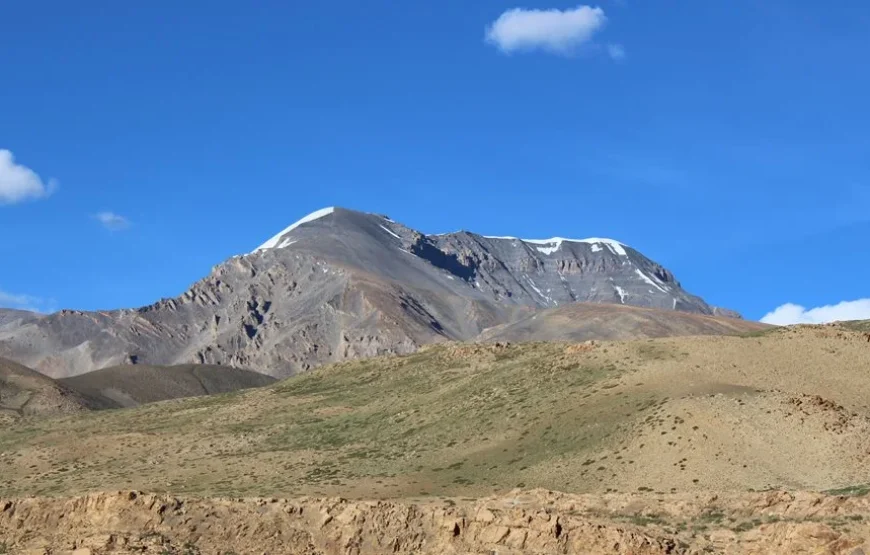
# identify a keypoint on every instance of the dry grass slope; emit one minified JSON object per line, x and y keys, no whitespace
{"x":789,"y":408}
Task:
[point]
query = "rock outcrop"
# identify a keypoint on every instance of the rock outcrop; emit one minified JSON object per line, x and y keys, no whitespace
{"x":535,"y":522}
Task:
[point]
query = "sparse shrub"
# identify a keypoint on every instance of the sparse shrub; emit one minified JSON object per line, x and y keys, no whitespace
{"x":850,"y":491}
{"x":646,"y":520}
{"x":746,"y":526}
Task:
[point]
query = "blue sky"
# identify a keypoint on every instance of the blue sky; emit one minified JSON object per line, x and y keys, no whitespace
{"x":725,"y":139}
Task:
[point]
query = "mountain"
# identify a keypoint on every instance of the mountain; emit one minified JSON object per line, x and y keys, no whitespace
{"x":134,"y":385}
{"x":10,"y":317}
{"x":608,"y":322}
{"x":341,"y":284}
{"x":24,"y":392}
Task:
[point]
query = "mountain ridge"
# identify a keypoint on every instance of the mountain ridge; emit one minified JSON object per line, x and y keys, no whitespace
{"x":342,"y":284}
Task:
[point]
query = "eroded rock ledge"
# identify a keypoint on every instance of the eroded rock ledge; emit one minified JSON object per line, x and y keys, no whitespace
{"x":521,"y":522}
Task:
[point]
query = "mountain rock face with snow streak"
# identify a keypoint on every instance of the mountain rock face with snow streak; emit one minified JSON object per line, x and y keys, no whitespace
{"x":341,"y":284}
{"x":553,"y":272}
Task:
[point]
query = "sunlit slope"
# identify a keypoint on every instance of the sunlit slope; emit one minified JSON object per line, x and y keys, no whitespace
{"x":783,"y":408}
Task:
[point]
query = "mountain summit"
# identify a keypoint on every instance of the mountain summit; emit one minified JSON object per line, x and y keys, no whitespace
{"x":531,"y":272}
{"x":341,"y":284}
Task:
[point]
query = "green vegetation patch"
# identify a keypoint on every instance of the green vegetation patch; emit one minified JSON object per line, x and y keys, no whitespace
{"x":857,"y":325}
{"x":850,"y":491}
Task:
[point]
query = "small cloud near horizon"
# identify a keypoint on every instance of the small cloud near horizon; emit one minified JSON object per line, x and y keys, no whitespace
{"x":19,"y":183}
{"x":790,"y":313}
{"x":556,"y":31}
{"x":24,"y":302}
{"x":112,"y":221}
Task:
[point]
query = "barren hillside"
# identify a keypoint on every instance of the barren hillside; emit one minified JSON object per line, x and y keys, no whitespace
{"x":24,"y":392}
{"x":133,"y":385}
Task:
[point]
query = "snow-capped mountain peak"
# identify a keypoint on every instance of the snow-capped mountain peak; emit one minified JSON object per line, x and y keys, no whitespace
{"x":278,"y":241}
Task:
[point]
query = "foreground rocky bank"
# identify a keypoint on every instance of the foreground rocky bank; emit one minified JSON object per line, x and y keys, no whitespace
{"x":520,"y":522}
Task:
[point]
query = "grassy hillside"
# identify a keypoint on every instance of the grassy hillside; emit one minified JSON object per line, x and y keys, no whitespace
{"x":785,"y":409}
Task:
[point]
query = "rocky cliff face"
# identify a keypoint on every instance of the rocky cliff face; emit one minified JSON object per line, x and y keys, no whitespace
{"x":553,"y":272}
{"x":341,"y":284}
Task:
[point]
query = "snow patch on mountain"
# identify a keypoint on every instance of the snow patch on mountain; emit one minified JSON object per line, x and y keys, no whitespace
{"x":647,"y":279}
{"x":554,"y":243}
{"x":549,"y":250}
{"x":615,"y":246}
{"x":621,"y":292}
{"x":275,"y":242}
{"x":541,"y":293}
{"x":391,"y":233}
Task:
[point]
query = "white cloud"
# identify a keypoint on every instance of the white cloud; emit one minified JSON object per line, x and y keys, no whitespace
{"x":556,"y":31}
{"x":795,"y":314}
{"x":23,"y":302}
{"x":19,"y":183}
{"x":112,"y":221}
{"x":616,"y":51}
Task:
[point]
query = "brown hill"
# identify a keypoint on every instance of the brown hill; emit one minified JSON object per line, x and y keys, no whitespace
{"x":24,"y":392}
{"x":133,"y":385}
{"x":587,"y":321}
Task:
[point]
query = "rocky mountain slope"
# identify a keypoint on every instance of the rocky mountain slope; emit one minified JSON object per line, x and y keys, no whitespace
{"x":588,"y":321}
{"x":341,"y":284}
